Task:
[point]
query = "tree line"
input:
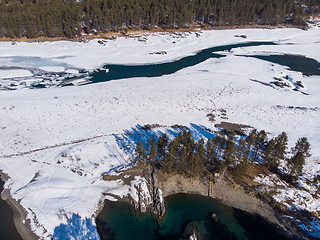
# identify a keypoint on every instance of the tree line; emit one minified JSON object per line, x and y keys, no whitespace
{"x":184,"y":155}
{"x":68,"y":18}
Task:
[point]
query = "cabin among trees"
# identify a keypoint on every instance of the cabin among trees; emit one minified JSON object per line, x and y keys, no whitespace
{"x":183,"y":155}
{"x":68,"y":18}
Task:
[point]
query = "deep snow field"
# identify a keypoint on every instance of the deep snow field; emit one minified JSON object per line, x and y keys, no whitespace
{"x":55,"y":143}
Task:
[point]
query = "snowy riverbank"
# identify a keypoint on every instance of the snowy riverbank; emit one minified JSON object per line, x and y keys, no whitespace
{"x":56,"y":142}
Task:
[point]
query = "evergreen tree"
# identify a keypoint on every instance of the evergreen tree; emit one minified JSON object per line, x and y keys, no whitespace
{"x":220,"y":166}
{"x":211,"y":156}
{"x":168,"y":162}
{"x":251,"y":141}
{"x":182,"y":161}
{"x":270,"y":159}
{"x":281,"y":145}
{"x":259,"y":145}
{"x":275,"y":151}
{"x":161,"y":146}
{"x":302,"y":146}
{"x":241,"y":150}
{"x":240,"y":169}
{"x":150,"y":141}
{"x":197,"y":165}
{"x":300,"y":152}
{"x":229,"y":153}
{"x":200,"y":150}
{"x":191,"y":162}
{"x":218,"y":146}
{"x":152,"y":156}
{"x":140,"y":152}
{"x":297,"y":163}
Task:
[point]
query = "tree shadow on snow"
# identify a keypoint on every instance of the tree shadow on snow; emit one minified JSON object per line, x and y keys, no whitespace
{"x":129,"y":139}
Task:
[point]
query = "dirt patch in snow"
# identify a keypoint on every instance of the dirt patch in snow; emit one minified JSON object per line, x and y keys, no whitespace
{"x":238,"y":128}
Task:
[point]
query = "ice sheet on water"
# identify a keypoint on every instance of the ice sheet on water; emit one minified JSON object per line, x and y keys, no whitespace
{"x":31,"y":61}
{"x":43,"y":72}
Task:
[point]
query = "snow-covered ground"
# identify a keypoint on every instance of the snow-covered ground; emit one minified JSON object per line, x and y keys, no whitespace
{"x":57,"y":142}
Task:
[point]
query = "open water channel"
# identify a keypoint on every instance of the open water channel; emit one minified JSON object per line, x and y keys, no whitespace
{"x":8,"y":230}
{"x":306,"y":66}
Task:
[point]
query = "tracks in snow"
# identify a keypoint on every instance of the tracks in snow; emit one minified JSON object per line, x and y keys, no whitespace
{"x":62,"y":144}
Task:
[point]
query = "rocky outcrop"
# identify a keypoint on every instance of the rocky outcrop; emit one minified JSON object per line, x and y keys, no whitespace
{"x":144,"y":200}
{"x":158,"y":203}
{"x":140,"y":195}
{"x":192,"y":236}
{"x":147,"y":194}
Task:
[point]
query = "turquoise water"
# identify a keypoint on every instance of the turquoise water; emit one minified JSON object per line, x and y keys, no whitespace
{"x":184,"y":213}
{"x":8,"y":230}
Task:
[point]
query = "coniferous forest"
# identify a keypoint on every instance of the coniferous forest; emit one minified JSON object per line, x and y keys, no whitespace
{"x":68,"y":18}
{"x":185,"y":156}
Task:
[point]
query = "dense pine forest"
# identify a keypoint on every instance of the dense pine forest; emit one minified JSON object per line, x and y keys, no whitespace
{"x":69,"y":18}
{"x":185,"y":156}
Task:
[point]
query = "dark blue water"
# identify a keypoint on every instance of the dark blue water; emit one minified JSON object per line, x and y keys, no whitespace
{"x":307,"y":66}
{"x":184,"y":213}
{"x":302,"y":64}
{"x":108,"y":72}
{"x":156,"y":70}
{"x":8,"y":230}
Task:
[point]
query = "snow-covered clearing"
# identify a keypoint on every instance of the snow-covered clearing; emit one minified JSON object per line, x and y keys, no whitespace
{"x":57,"y":142}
